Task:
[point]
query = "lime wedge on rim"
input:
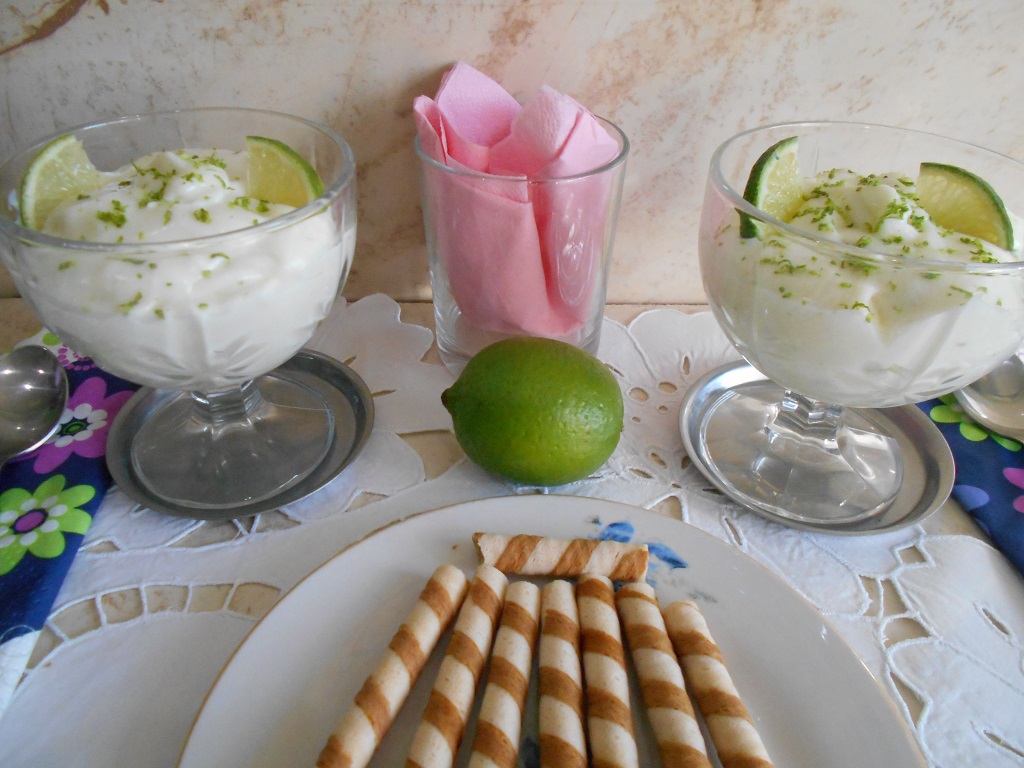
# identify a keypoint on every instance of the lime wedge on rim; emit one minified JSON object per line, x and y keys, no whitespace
{"x":60,"y":171}
{"x":774,"y":185}
{"x":279,"y":174}
{"x":963,"y":202}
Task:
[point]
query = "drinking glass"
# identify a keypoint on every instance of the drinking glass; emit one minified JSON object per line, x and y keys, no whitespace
{"x":517,"y":256}
{"x":842,"y":329}
{"x":205,"y":317}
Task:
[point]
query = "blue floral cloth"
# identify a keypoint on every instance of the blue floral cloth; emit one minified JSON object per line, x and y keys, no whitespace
{"x":48,"y":497}
{"x":989,"y":475}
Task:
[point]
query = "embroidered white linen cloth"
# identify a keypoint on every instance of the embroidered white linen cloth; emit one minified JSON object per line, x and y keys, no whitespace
{"x":153,"y":608}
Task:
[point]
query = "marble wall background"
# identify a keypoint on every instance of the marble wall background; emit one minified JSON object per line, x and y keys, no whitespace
{"x":679,"y":77}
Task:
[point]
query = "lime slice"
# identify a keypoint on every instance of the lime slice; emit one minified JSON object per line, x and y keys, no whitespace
{"x":774,"y":185}
{"x":959,"y":200}
{"x":59,"y":172}
{"x":279,"y":174}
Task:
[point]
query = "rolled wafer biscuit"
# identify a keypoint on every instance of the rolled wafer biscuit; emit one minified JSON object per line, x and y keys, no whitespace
{"x":562,"y":558}
{"x":444,"y":720}
{"x":732,"y":729}
{"x":363,"y":726}
{"x":680,"y":742}
{"x":500,"y":722}
{"x":562,"y":739}
{"x":609,"y":719}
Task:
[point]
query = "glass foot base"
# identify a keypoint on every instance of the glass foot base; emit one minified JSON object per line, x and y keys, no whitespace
{"x":848,"y":477}
{"x":219,"y":450}
{"x":926,"y":464}
{"x":285,"y":463}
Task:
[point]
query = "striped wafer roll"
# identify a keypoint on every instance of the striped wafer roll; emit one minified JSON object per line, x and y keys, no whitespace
{"x":562,"y":558}
{"x":361,"y":728}
{"x":729,"y":723}
{"x":444,"y":720}
{"x":669,"y":710}
{"x":609,"y":720}
{"x":563,"y":742}
{"x":496,"y":744}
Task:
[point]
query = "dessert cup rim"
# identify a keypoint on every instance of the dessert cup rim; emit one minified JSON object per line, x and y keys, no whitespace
{"x":346,"y":178}
{"x":469,"y":173}
{"x":736,"y":199}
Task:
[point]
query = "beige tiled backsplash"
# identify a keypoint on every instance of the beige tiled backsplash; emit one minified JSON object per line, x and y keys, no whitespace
{"x":678,"y":77}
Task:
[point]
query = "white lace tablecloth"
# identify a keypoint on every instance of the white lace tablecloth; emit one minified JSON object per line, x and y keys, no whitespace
{"x":154,"y":606}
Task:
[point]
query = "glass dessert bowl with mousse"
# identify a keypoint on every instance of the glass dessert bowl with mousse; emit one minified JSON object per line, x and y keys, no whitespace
{"x":192,"y":251}
{"x":852,"y":290}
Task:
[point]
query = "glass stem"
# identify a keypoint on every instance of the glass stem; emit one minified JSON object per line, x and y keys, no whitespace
{"x":800,"y":417}
{"x":229,"y":406}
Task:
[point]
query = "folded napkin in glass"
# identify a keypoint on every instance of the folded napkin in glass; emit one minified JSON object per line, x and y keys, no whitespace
{"x":497,"y":233}
{"x":47,"y":502}
{"x":989,"y":475}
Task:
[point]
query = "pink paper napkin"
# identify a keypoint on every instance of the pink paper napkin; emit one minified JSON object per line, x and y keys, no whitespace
{"x":521,"y":257}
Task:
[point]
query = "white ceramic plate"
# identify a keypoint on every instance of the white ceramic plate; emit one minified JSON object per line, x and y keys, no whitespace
{"x":289,"y":683}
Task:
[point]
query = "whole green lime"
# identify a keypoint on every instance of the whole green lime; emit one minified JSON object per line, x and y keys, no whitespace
{"x":537,"y":411}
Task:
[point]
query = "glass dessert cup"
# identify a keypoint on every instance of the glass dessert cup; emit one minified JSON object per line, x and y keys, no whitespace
{"x":841,"y":329}
{"x":512,"y":256}
{"x":205,"y":317}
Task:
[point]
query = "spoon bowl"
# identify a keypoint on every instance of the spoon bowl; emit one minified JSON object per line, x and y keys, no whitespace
{"x":996,"y":400}
{"x":33,"y":394}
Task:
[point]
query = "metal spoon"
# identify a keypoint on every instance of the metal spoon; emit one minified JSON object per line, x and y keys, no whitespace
{"x":996,"y":400}
{"x":33,"y":393}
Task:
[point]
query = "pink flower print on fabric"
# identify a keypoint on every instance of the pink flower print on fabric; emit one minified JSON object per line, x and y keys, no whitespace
{"x":73,"y":361}
{"x":1016,"y":476}
{"x":68,"y":357}
{"x":83,"y":427}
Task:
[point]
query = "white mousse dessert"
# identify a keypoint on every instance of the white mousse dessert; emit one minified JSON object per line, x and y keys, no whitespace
{"x":824,"y":312}
{"x":203,"y":287}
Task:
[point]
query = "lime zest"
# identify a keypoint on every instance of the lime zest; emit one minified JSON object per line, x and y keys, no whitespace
{"x":774,"y":185}
{"x":959,"y":200}
{"x":61,"y":171}
{"x":278,"y":174}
